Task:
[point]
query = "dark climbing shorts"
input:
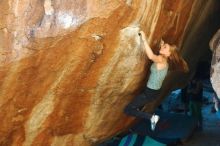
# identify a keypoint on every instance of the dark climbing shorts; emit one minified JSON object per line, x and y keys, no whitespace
{"x":135,"y":106}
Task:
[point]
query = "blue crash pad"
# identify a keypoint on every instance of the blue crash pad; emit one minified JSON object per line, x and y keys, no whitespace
{"x":134,"y":140}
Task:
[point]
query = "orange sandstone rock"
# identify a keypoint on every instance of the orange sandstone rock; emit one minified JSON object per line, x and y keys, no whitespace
{"x":68,"y":68}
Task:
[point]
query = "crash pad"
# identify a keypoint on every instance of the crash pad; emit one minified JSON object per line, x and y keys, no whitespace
{"x":132,"y":139}
{"x":138,"y":140}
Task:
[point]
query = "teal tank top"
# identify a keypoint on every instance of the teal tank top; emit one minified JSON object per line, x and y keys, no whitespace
{"x":156,"y":77}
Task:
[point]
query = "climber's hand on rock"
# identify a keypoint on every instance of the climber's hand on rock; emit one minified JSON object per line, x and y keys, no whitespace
{"x":142,"y":33}
{"x":143,"y":36}
{"x":139,"y":34}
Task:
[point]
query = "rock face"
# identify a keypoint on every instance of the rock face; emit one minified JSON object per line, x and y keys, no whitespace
{"x":68,"y":68}
{"x":215,"y":69}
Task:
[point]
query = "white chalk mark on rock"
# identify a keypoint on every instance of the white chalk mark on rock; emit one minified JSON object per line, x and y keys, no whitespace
{"x":129,"y":2}
{"x":48,"y":7}
{"x":67,"y":19}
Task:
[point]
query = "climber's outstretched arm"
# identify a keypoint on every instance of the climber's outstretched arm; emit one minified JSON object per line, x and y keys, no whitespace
{"x":148,"y":50}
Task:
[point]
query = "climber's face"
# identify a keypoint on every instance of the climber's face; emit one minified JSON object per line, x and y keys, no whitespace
{"x":164,"y":49}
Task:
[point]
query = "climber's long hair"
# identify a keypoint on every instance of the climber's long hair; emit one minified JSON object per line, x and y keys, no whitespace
{"x":175,"y":60}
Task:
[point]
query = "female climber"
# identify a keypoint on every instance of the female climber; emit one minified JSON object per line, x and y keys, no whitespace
{"x":168,"y":58}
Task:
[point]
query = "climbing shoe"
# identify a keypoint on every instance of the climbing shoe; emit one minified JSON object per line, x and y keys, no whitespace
{"x":154,"y":119}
